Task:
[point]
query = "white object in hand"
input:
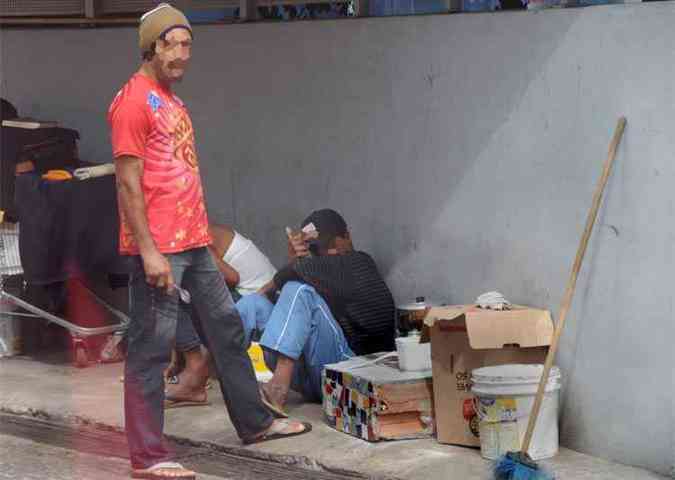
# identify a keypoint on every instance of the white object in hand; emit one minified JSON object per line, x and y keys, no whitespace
{"x":310,"y":231}
{"x":184,"y":295}
{"x":309,"y":228}
{"x":85,"y":173}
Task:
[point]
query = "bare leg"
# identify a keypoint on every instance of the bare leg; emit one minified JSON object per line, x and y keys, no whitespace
{"x":280,"y":383}
{"x":276,"y":391}
{"x":172,"y":369}
{"x":197,"y":362}
{"x":192,"y":380}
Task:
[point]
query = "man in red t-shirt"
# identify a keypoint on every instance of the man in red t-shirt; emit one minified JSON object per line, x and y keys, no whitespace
{"x":164,"y":228}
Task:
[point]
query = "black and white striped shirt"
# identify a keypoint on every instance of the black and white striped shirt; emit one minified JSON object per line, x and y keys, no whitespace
{"x":356,"y":294}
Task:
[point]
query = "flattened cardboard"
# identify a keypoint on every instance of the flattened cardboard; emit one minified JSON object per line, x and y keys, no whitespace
{"x":465,"y":337}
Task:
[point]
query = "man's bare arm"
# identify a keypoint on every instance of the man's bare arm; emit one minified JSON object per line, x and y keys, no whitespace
{"x":230,"y":274}
{"x":129,"y":171}
{"x":221,"y":239}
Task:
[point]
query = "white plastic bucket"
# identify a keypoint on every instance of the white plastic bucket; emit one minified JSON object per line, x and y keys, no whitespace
{"x":413,"y":356}
{"x":504,"y":396}
{"x":10,"y":331}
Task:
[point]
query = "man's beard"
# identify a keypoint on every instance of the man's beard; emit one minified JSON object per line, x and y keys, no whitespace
{"x":167,"y":72}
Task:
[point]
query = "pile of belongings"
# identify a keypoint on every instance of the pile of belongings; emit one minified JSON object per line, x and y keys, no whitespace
{"x":493,"y":301}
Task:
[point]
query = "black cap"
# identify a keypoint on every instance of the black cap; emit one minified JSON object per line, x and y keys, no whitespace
{"x":328,"y":223}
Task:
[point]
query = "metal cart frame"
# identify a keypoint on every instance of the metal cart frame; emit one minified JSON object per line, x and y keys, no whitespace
{"x":10,"y":264}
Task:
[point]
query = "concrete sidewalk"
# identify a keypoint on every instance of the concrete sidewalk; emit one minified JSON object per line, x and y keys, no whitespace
{"x":51,"y":387}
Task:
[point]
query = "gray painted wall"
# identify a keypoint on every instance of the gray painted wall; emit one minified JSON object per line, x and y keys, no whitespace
{"x":462,"y":149}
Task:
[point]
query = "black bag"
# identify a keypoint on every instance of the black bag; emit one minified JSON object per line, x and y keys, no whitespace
{"x":47,"y":148}
{"x":7,"y":110}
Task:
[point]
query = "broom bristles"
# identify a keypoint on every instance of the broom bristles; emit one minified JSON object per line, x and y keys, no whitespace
{"x":515,"y":466}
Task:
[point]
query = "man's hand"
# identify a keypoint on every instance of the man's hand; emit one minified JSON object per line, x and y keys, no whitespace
{"x":297,"y":243}
{"x":297,"y":246}
{"x":158,"y":271}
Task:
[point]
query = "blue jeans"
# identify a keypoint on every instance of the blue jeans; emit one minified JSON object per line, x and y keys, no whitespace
{"x":299,"y":326}
{"x":151,"y":335}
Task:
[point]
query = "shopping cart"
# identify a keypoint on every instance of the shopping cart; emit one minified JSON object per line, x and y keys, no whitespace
{"x":11,"y":267}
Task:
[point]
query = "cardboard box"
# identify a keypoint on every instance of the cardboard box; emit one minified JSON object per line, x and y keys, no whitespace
{"x":378,"y":401}
{"x":464,"y":338}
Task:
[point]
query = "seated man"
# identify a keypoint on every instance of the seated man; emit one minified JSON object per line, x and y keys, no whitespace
{"x":333,"y":304}
{"x":246,"y":270}
{"x":245,"y":267}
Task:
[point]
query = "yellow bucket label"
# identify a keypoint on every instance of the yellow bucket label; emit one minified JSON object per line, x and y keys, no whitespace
{"x":507,"y":409}
{"x":498,"y":410}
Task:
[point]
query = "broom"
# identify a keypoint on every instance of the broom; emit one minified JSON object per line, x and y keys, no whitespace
{"x":519,"y":465}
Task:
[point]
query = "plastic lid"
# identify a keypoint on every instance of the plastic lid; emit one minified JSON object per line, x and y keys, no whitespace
{"x":512,"y":373}
{"x":415,"y":339}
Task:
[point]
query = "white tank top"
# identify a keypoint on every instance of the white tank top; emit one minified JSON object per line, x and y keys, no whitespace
{"x":255,"y":269}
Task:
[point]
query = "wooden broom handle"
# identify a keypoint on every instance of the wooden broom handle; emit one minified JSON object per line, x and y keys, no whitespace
{"x":571,"y":283}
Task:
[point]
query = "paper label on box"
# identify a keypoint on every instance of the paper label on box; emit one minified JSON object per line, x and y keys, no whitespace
{"x":470,"y":416}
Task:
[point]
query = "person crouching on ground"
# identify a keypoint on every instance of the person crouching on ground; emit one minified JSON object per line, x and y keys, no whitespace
{"x":332,"y":304}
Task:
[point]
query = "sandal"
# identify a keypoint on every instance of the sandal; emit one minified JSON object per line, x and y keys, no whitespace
{"x":274,"y":407}
{"x":178,"y":403}
{"x":175,"y":380}
{"x":276,"y":431}
{"x":192,"y":398}
{"x":158,"y":472}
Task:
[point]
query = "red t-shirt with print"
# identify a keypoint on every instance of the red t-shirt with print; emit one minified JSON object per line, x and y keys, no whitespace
{"x":151,"y":123}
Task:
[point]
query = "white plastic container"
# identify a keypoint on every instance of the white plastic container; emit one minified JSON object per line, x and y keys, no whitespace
{"x":413,"y":356}
{"x":504,"y":396}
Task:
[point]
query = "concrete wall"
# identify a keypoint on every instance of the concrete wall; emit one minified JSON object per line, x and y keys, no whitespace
{"x":463,"y":150}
